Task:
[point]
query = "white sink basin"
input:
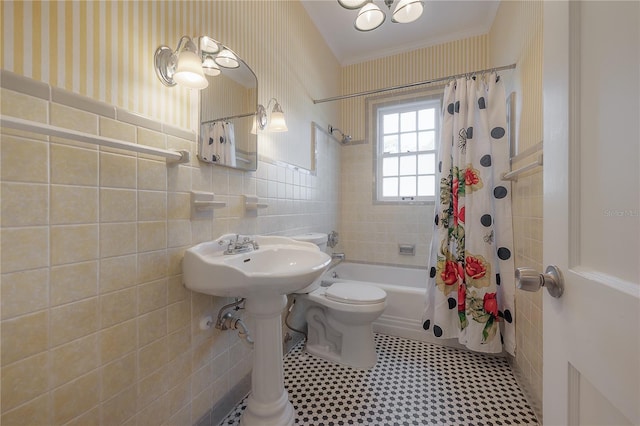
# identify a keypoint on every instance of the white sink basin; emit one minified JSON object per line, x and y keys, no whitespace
{"x":263,"y":275}
{"x":279,"y":266}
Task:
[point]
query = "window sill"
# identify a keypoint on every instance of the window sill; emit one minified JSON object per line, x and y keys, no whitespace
{"x":404,"y":203}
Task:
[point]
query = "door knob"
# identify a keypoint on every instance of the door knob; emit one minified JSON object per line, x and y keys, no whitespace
{"x":528,"y":279}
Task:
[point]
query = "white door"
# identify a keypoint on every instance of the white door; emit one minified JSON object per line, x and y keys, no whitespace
{"x":592,"y":212}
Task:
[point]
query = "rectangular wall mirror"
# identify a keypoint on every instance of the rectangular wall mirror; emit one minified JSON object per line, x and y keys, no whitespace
{"x":227,"y":114}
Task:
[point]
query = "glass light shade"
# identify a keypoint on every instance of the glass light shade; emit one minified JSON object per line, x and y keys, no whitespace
{"x":407,"y":11}
{"x":227,"y":59}
{"x":369,"y":18}
{"x":352,"y":4}
{"x":189,"y":71}
{"x":277,"y":123}
{"x":208,"y":45}
{"x":210,"y":67}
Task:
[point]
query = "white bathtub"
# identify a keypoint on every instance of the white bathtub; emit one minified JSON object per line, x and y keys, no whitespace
{"x":405,"y":289}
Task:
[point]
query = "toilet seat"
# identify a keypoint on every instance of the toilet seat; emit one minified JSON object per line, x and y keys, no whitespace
{"x":355,"y":293}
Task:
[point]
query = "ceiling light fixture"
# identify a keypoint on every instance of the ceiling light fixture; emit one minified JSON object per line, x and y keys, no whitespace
{"x":210,"y":67}
{"x":370,"y":16}
{"x":352,"y":4}
{"x":227,"y":59}
{"x":407,"y":11}
{"x":209,"y":45}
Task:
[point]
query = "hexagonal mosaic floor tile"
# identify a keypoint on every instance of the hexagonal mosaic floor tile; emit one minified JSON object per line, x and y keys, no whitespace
{"x":413,"y":383}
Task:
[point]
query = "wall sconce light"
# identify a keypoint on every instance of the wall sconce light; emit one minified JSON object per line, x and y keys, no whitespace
{"x":277,"y":122}
{"x":191,"y":61}
{"x":183,"y":66}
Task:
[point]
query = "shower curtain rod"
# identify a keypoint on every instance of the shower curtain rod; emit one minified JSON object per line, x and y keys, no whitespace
{"x":404,"y":86}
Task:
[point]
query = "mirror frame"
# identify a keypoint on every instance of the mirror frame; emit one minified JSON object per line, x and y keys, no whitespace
{"x":249,"y":160}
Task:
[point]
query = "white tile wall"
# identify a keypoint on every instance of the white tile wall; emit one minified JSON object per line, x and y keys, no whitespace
{"x":96,"y":325}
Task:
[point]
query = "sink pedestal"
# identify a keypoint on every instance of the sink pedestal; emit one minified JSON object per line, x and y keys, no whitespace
{"x":268,"y":403}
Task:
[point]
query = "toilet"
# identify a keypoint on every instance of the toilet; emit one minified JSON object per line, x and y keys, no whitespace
{"x":339,"y":316}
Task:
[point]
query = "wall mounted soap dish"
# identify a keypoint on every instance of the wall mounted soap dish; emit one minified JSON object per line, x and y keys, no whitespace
{"x":202,"y":204}
{"x":251,"y":205}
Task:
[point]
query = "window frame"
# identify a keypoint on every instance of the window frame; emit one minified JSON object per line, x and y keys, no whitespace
{"x":414,"y":101}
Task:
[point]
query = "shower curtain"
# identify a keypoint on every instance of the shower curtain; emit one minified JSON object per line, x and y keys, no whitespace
{"x":470,"y":289}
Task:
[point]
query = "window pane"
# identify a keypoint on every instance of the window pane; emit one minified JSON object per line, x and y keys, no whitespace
{"x":426,"y":119}
{"x":408,"y":121}
{"x":391,"y":144}
{"x":390,"y":187}
{"x":408,"y":186}
{"x":408,"y":142}
{"x":426,"y":186}
{"x":427,"y":140}
{"x":406,"y":155}
{"x":427,"y":164}
{"x":408,"y":165}
{"x":390,"y":166}
{"x":390,"y":123}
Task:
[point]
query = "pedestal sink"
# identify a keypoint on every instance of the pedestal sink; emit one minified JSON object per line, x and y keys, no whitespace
{"x":263,"y":269}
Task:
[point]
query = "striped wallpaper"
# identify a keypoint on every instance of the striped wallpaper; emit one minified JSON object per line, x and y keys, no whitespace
{"x":372,"y":232}
{"x":104,"y":50}
{"x":423,"y":64}
{"x":525,"y":47}
{"x":516,"y":36}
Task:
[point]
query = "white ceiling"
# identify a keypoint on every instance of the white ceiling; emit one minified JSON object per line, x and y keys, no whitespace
{"x":442,"y":21}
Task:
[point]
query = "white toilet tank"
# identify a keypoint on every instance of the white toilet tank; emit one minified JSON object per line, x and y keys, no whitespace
{"x":316,"y":238}
{"x":320,"y":240}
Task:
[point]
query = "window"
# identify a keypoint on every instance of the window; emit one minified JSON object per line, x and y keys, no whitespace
{"x":407,"y":134}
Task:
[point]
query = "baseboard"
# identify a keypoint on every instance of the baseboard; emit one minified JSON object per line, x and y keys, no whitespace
{"x":227,"y":404}
{"x":534,"y":402}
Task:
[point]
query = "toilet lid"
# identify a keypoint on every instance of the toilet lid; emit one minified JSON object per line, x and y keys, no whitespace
{"x":356,"y":294}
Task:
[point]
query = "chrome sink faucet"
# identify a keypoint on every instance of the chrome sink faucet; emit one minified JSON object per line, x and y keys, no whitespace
{"x":246,"y":245}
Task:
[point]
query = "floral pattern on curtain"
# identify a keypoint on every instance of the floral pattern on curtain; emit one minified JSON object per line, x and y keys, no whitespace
{"x":470,"y":289}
